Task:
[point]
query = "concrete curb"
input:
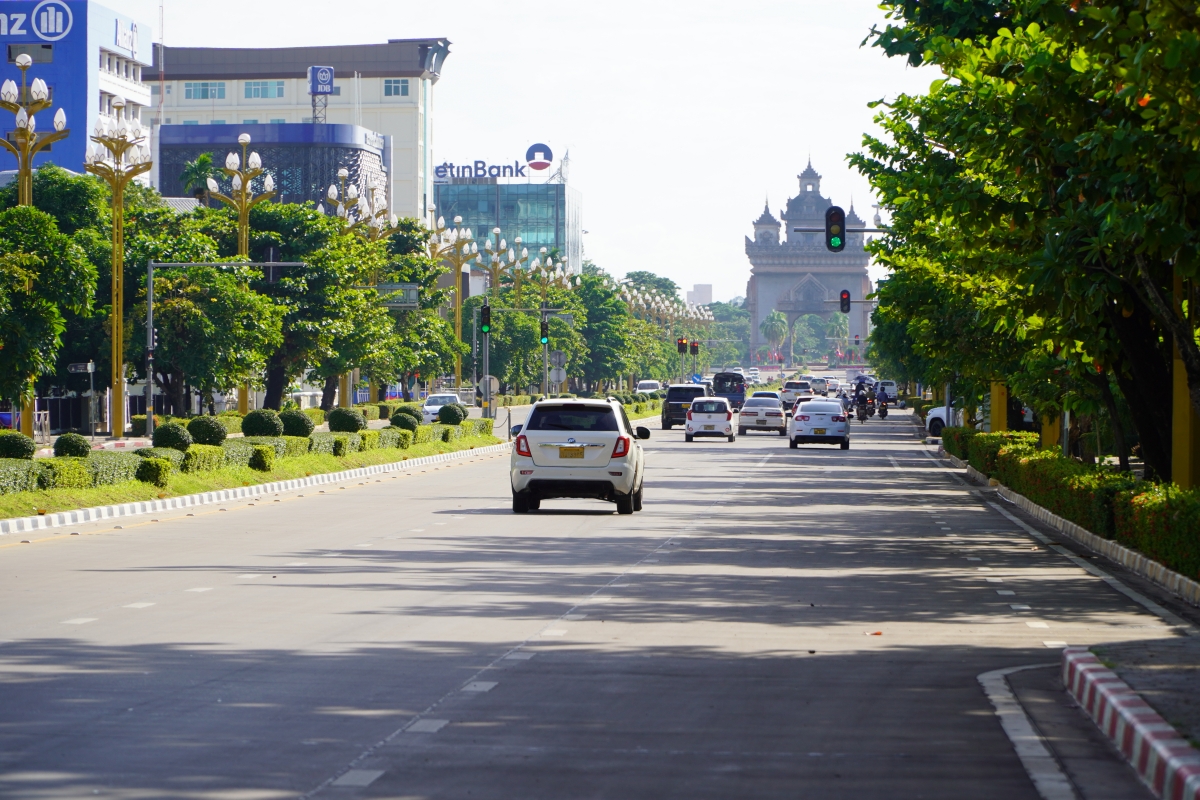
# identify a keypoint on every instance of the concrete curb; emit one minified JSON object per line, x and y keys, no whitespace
{"x":1156,"y":573}
{"x":82,"y":515}
{"x":1163,"y":758}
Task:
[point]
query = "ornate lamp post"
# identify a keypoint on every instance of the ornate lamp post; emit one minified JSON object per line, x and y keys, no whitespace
{"x":456,"y":247}
{"x":242,"y":199}
{"x":368,"y":214}
{"x":124,"y":156}
{"x":24,"y":104}
{"x":494,"y":260}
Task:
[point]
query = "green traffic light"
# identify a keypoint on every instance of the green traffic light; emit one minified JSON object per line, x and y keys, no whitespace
{"x":545,"y":340}
{"x":485,"y":328}
{"x":836,"y":241}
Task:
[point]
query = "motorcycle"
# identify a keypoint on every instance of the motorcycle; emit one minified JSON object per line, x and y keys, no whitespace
{"x":862,"y":412}
{"x":883,"y":408}
{"x":871,"y":408}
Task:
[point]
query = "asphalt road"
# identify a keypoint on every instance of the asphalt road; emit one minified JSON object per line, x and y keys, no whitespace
{"x":776,"y":623}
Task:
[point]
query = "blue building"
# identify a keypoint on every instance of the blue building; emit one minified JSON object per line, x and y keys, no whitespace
{"x":87,"y":55}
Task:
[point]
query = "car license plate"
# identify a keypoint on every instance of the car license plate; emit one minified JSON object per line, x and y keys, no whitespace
{"x":818,"y":431}
{"x":762,"y":422}
{"x":570,"y":452}
{"x":710,"y":427}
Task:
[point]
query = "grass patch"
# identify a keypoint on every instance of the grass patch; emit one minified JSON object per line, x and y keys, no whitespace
{"x":26,"y":504}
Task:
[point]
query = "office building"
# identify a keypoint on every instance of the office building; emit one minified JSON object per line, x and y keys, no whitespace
{"x":700,"y":295}
{"x":385,"y":88}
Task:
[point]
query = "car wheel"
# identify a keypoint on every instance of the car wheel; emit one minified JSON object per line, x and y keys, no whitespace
{"x":935,"y":427}
{"x":520,"y":503}
{"x":845,"y":444}
{"x":793,"y":443}
{"x":624,"y":504}
{"x":687,"y":437}
{"x":732,"y":438}
{"x":637,"y":499}
{"x":741,"y":431}
{"x":535,"y":503}
{"x":666,"y":426}
{"x":783,"y":432}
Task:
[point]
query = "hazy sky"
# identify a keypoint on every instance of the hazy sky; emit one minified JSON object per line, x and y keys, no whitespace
{"x":681,"y":118}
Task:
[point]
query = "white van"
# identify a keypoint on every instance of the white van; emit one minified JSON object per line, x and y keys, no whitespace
{"x":648,"y":386}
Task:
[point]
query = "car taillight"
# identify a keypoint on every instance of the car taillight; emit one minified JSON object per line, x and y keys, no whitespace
{"x":774,"y":413}
{"x":838,"y":418}
{"x":621,"y":447}
{"x":728,"y":416}
{"x":689,"y":416}
{"x":803,"y":417}
{"x":523,"y":447}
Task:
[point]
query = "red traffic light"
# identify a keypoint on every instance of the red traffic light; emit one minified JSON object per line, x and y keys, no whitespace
{"x":681,"y":344}
{"x":844,"y":301}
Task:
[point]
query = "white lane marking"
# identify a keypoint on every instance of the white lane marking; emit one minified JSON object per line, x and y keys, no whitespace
{"x":1008,"y":592}
{"x":358,"y":777}
{"x":1037,"y":624}
{"x":480,"y":686}
{"x":331,"y":555}
{"x":994,"y":580}
{"x":649,"y":560}
{"x":973,"y":558}
{"x":574,"y":616}
{"x":368,"y":544}
{"x":200,"y":589}
{"x":618,"y":585}
{"x":554,"y":632}
{"x":1137,"y":597}
{"x":251,"y":575}
{"x":139,"y":605}
{"x":1041,"y":767}
{"x":79,"y":620}
{"x":427,"y":726}
{"x":983,"y":569}
{"x":1055,"y":644}
{"x":637,"y":572}
{"x":297,"y":564}
{"x":895,"y":465}
{"x":520,"y":656}
{"x":1018,"y":607}
{"x":418,"y":530}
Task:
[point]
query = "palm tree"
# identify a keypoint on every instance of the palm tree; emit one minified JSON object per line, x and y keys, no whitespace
{"x":774,"y":328}
{"x":839,"y":331}
{"x":195,"y":176}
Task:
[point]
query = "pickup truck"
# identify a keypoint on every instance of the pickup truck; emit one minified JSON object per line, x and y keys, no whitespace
{"x":732,"y":387}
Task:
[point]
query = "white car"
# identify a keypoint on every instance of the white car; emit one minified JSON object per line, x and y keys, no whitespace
{"x":762,"y":414}
{"x":433,"y":404}
{"x":935,"y":419}
{"x":792,"y":390}
{"x":577,"y":448}
{"x":709,"y":416}
{"x":648,"y":386}
{"x":818,"y":386}
{"x":819,"y":422}
{"x":890,"y":386}
{"x":831,"y":385}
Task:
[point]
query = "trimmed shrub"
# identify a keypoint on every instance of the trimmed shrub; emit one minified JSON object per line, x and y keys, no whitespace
{"x":295,"y":446}
{"x":346,"y":420}
{"x":168,"y":453}
{"x":412,"y":409}
{"x":230,"y":420}
{"x":156,"y":471}
{"x":955,"y":440}
{"x":389,"y":437}
{"x":402,"y":419}
{"x":423,"y":434}
{"x":451,"y":414}
{"x":369,"y":412}
{"x":386,"y":410}
{"x":18,"y":475}
{"x":14,"y":444}
{"x":277,"y":443}
{"x":63,"y":472}
{"x":262,"y":422}
{"x":263,"y":458}
{"x":206,"y":430}
{"x":370,"y":439}
{"x":321,"y":443}
{"x":237,"y":452}
{"x":72,"y":444}
{"x":109,"y":468}
{"x":203,"y":458}
{"x":345,"y":443}
{"x":296,"y":423}
{"x":174,"y":435}
{"x":1161,"y":521}
{"x":137,"y":424}
{"x":982,"y":448}
{"x":315,"y":414}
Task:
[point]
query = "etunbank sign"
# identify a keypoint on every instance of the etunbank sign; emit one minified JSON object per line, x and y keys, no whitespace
{"x":50,"y":21}
{"x":537,"y":157}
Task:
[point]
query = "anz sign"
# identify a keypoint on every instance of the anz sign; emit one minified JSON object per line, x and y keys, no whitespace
{"x":50,"y":21}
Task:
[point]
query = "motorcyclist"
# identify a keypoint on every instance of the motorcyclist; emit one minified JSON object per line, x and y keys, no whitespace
{"x":882,"y":396}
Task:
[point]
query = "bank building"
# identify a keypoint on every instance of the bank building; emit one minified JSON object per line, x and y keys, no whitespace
{"x":795,"y":274}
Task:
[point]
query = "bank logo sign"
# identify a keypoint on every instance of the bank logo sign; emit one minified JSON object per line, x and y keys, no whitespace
{"x":320,"y":80}
{"x":51,"y":20}
{"x":538,"y":157}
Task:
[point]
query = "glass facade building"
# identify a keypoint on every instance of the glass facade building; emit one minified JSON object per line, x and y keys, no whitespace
{"x":542,"y":214}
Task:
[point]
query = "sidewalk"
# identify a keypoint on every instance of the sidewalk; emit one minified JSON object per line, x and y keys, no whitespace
{"x":1166,"y":673}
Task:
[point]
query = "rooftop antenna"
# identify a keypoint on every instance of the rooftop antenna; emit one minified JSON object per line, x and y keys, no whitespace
{"x":564,"y":167}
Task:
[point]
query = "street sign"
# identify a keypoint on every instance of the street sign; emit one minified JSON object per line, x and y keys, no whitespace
{"x":76,"y":368}
{"x":567,"y":318}
{"x":398,"y":295}
{"x":697,"y":378}
{"x":558,"y":358}
{"x":495,"y":384}
{"x":558,"y":375}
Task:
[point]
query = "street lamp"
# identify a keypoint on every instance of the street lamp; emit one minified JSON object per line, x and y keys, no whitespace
{"x":366,"y":214}
{"x":242,"y":199}
{"x":124,"y":156}
{"x":456,"y":247}
{"x":25,"y":145}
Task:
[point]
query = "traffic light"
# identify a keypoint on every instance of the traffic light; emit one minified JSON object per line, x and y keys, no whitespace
{"x":152,"y":339}
{"x":835,"y":229}
{"x":844,"y":300}
{"x":856,"y":340}
{"x":681,"y":344}
{"x":695,"y":348}
{"x":545,"y":332}
{"x":485,"y":319}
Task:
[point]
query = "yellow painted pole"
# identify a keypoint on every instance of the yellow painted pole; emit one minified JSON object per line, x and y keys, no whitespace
{"x":344,"y":391}
{"x":1051,"y":432}
{"x":1185,"y":426}
{"x":999,"y":410}
{"x":243,"y":399}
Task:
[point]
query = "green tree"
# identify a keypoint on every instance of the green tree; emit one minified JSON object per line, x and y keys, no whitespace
{"x":195,"y":175}
{"x":648,"y":280}
{"x":605,"y":332}
{"x":774,"y":328}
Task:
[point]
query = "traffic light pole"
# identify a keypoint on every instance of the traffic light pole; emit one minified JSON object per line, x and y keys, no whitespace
{"x":545,"y":355}
{"x":150,"y":344}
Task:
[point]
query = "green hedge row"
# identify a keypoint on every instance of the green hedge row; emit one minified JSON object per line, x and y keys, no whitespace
{"x":1163,"y":522}
{"x":100,"y":468}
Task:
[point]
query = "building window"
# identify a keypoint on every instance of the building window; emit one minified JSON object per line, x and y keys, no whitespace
{"x":395,"y":87}
{"x":217,"y":122}
{"x":204,"y":90}
{"x":40,"y":53}
{"x":808,"y":187}
{"x":337,"y":90}
{"x":279,"y":122}
{"x":249,"y":122}
{"x":190,"y":122}
{"x":264,"y":89}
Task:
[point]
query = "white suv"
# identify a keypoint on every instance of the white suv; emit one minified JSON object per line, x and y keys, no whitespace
{"x":577,"y":448}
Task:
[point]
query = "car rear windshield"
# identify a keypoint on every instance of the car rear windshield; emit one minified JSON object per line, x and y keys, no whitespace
{"x":675,"y":394}
{"x":729,"y":383}
{"x":821,"y":408}
{"x":440,"y":399}
{"x":797,"y":385}
{"x":709,"y":407}
{"x":755,"y":402}
{"x":572,"y":418}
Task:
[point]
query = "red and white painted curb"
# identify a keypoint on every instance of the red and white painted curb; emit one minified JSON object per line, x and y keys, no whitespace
{"x":1163,"y":758}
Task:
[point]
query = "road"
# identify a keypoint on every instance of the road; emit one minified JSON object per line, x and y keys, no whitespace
{"x":776,"y":623}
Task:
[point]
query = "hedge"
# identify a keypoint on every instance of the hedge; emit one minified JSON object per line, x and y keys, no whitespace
{"x":315,"y":414}
{"x":72,"y":444}
{"x":296,"y":423}
{"x":346,"y":420}
{"x":1162,"y":522}
{"x":168,"y":453}
{"x":137,"y":424}
{"x":982,"y":448}
{"x":402,"y":419}
{"x":276,"y":443}
{"x":262,"y":422}
{"x":108,"y":468}
{"x":231,"y":421}
{"x":18,"y":475}
{"x":321,"y":443}
{"x":452,"y":414}
{"x":296,"y":446}
{"x":369,"y":411}
{"x":14,"y":444}
{"x":262,"y":458}
{"x":395,"y":437}
{"x":156,"y":471}
{"x":172,"y":434}
{"x":63,"y":472}
{"x":207,"y":430}
{"x":203,"y":458}
{"x":237,"y":452}
{"x":370,"y":440}
{"x":955,"y":440}
{"x":344,"y":443}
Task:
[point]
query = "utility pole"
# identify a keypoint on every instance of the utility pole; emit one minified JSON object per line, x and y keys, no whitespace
{"x":545,"y":352}
{"x":485,"y":325}
{"x":151,"y":343}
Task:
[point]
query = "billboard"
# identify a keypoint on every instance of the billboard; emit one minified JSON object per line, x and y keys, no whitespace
{"x":320,"y":80}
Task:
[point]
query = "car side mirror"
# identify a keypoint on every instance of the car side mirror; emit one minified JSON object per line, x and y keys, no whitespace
{"x":516,"y":429}
{"x":642,"y":433}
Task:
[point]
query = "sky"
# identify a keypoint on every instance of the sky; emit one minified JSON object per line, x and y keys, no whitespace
{"x":681,"y":118}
